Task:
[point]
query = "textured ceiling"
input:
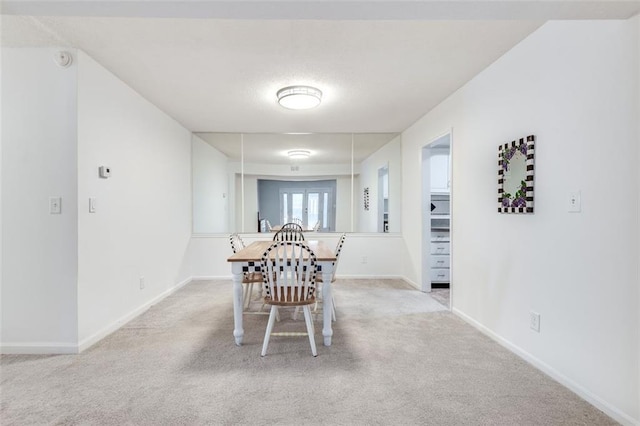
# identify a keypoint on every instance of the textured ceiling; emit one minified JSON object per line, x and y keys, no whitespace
{"x":215,"y":66}
{"x":222,"y":75}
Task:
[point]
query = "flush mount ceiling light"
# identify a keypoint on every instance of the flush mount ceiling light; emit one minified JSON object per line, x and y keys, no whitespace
{"x":299,"y":97}
{"x":296,"y":154}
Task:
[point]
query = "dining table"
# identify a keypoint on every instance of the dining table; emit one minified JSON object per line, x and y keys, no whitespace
{"x":247,"y":260}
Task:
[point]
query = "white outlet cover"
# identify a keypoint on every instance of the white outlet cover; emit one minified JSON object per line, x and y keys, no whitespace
{"x":55,"y":205}
{"x":574,"y":203}
{"x":534,"y":321}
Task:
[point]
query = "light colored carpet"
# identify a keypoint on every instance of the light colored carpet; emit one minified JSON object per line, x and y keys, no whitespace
{"x":441,"y":295}
{"x":398,"y":357}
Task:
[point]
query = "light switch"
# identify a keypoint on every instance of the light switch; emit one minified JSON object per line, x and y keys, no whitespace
{"x":575,"y":205}
{"x":55,"y":205}
{"x":92,"y":205}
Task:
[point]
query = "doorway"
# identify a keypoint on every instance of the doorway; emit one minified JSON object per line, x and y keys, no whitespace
{"x":309,"y":205}
{"x":436,"y":213}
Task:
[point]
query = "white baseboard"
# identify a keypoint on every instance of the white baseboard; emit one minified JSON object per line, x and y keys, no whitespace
{"x":96,"y":337}
{"x":594,"y":400}
{"x":411,"y":283}
{"x":369,"y":277}
{"x":343,"y":277}
{"x":44,"y":348}
{"x":38,"y":348}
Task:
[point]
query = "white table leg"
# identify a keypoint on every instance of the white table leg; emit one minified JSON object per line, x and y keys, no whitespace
{"x":238,"y":331}
{"x":327,"y":302}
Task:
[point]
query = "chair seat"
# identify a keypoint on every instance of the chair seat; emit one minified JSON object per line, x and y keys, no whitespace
{"x":292,"y":299}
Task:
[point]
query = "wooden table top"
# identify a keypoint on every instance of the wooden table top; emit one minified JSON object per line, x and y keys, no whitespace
{"x":253,"y":252}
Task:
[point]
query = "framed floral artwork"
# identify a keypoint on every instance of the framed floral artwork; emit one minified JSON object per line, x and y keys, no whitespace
{"x":515,"y":176}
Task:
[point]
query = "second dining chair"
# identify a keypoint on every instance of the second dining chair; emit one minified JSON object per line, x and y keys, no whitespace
{"x":248,"y":278}
{"x":289,"y":271}
{"x":289,"y":232}
{"x":341,"y":241}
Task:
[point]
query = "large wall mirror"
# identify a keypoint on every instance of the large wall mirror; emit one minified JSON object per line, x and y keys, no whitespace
{"x":240,"y":181}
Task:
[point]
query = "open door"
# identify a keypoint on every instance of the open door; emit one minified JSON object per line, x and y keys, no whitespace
{"x":436,"y":213}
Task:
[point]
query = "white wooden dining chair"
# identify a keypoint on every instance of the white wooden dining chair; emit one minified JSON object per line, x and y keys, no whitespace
{"x":248,"y":278}
{"x":333,"y":278}
{"x":289,"y":232}
{"x":289,"y":274}
{"x":341,"y":241}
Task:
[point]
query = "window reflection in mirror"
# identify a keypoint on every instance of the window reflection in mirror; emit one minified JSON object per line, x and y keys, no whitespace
{"x":311,"y":202}
{"x":240,"y":179}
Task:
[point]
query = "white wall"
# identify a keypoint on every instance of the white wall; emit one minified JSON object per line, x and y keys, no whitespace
{"x":637,"y":68}
{"x":575,"y":86}
{"x":389,"y":154}
{"x":210,"y":188}
{"x":142,"y":225}
{"x":39,"y":250}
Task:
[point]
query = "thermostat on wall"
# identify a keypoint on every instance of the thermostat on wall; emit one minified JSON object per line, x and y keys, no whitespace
{"x":104,"y":171}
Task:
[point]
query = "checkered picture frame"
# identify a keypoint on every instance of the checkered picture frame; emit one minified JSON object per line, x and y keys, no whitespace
{"x":525,"y":204}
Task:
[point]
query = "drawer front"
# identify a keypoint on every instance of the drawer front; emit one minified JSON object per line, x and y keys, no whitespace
{"x":440,"y":223}
{"x":439,"y":261}
{"x":439,"y":248}
{"x":439,"y":275}
{"x":440,"y":236}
